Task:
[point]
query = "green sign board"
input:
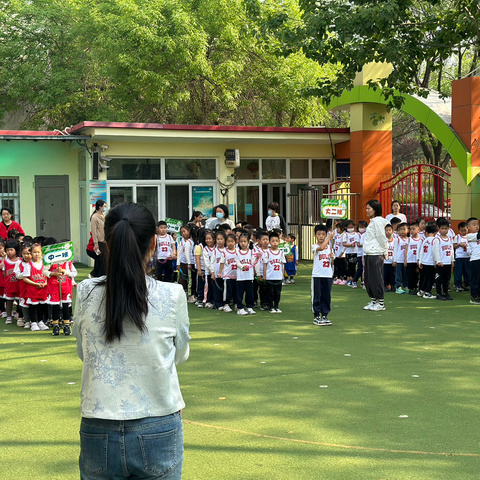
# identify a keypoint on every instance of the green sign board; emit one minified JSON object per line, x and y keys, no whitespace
{"x":285,"y":247}
{"x":58,"y":253}
{"x":334,"y":208}
{"x":173,"y":225}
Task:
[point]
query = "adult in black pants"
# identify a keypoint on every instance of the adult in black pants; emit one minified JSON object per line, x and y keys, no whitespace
{"x":375,"y":250}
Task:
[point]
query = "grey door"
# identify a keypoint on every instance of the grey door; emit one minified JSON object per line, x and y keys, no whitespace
{"x":52,"y":206}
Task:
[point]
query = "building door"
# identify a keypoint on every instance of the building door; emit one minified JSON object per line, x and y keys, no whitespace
{"x":275,"y":192}
{"x":52,"y":204}
{"x":177,"y":202}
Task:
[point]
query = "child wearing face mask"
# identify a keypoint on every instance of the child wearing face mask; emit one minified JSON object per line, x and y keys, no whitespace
{"x":362,"y":227}
{"x":349,"y":241}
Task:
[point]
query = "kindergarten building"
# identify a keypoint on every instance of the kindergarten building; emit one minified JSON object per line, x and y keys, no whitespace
{"x":51,"y":179}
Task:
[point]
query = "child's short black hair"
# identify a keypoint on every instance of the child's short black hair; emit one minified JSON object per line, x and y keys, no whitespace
{"x":442,"y":222}
{"x":414,"y":224}
{"x":273,"y":234}
{"x":292,"y":236}
{"x":363,"y":223}
{"x":12,"y":233}
{"x":431,"y":229}
{"x":161,"y":222}
{"x":462,"y":225}
{"x":388,"y":225}
{"x":402,"y":224}
{"x":11,"y":243}
{"x":471,"y":219}
{"x":348,"y":222}
{"x":232,"y":236}
{"x":260,"y":233}
{"x":278,"y":231}
{"x":395,"y":221}
{"x":320,"y":228}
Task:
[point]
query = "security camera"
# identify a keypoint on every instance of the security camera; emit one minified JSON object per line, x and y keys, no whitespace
{"x":104,"y":147}
{"x":106,"y":159}
{"x":103,"y":167}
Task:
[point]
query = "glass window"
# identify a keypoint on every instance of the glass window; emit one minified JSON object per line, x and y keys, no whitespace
{"x":176,"y":202}
{"x":195,"y":168}
{"x":295,"y":187}
{"x":9,"y":196}
{"x":273,"y":168}
{"x":248,"y":169}
{"x":299,"y":168}
{"x":120,"y":195}
{"x":321,"y":168}
{"x":134,"y":169}
{"x":148,"y":196}
{"x":248,"y":204}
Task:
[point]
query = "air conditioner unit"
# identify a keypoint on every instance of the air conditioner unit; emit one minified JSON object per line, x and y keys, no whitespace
{"x":232,"y":158}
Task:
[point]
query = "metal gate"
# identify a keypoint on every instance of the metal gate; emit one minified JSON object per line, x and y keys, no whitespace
{"x":305,"y":213}
{"x":422,"y":190}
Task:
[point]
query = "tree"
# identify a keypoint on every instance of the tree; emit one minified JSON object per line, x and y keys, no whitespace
{"x":165,"y":61}
{"x":417,"y":37}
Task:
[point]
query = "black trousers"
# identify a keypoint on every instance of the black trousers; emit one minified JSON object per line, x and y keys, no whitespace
{"x":389,"y":275}
{"x":412,"y":275}
{"x":442,"y":279}
{"x":321,"y":295}
{"x":374,"y":276}
{"x":428,"y":277}
{"x":245,"y":287}
{"x":340,"y":268}
{"x":475,"y":278}
{"x":274,"y":292}
{"x":218,"y":286}
{"x":351,"y":259}
{"x":164,"y":270}
{"x":231,"y":286}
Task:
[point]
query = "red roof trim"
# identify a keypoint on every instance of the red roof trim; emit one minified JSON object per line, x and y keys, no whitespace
{"x":205,"y":128}
{"x":29,"y":133}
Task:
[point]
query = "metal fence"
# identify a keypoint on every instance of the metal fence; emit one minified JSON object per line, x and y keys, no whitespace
{"x":305,"y":213}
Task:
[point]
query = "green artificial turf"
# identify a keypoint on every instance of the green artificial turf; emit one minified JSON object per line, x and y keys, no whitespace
{"x":379,"y":395}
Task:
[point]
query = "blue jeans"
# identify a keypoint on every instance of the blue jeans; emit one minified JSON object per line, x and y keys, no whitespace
{"x":401,"y":279}
{"x":462,"y":269}
{"x":146,"y":448}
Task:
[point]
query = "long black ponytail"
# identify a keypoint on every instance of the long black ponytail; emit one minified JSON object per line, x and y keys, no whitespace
{"x":129,"y":230}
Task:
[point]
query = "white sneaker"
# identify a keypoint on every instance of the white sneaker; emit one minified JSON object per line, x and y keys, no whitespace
{"x":20,"y":323}
{"x":27,"y":325}
{"x":369,"y":306}
{"x":209,"y":305}
{"x":34,"y":327}
{"x":278,"y":311}
{"x":292,"y":281}
{"x":272,"y":310}
{"x":42,"y":326}
{"x":251,"y":311}
{"x":191,"y":299}
{"x":287,"y":281}
{"x":377,"y":307}
{"x":8,"y":321}
{"x":227,"y":308}
{"x":221,"y":308}
{"x":242,"y":311}
{"x":4,"y":314}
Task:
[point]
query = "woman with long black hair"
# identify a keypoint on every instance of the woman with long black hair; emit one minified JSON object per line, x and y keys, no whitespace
{"x":97,"y":226}
{"x":375,"y":249}
{"x":131,"y":333}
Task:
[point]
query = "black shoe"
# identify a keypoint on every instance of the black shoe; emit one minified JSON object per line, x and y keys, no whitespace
{"x":56,"y":330}
{"x":66,"y":330}
{"x":413,"y":291}
{"x":326,"y":321}
{"x":441,"y":297}
{"x":448,"y":297}
{"x":466,"y":289}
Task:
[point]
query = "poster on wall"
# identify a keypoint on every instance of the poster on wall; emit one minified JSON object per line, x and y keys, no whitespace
{"x":98,"y":191}
{"x":202,"y":200}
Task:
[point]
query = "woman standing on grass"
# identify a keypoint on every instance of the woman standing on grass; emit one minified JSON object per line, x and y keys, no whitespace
{"x":131,"y":333}
{"x":375,"y":249}
{"x":97,"y":222}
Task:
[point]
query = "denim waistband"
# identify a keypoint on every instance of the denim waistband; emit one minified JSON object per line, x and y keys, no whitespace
{"x":131,"y":425}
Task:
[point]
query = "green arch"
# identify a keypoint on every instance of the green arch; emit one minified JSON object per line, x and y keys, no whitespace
{"x":425,"y":115}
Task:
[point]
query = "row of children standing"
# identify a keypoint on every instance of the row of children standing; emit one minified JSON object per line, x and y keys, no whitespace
{"x":421,"y":256}
{"x":226,"y":268}
{"x":40,"y":292}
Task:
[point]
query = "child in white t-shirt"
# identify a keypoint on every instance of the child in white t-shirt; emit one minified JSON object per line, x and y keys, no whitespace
{"x":322,"y":274}
{"x":273,"y":272}
{"x":462,"y":259}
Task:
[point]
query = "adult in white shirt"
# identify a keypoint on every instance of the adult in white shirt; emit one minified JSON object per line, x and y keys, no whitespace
{"x":396,"y":212}
{"x":131,"y":333}
{"x":375,"y":251}
{"x":220,"y":217}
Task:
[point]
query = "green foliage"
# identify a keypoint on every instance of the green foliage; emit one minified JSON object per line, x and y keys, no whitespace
{"x":417,"y":37}
{"x":166,"y":61}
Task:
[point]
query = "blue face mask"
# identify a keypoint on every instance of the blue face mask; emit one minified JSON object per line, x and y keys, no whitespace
{"x":270,"y":213}
{"x":219,"y":215}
